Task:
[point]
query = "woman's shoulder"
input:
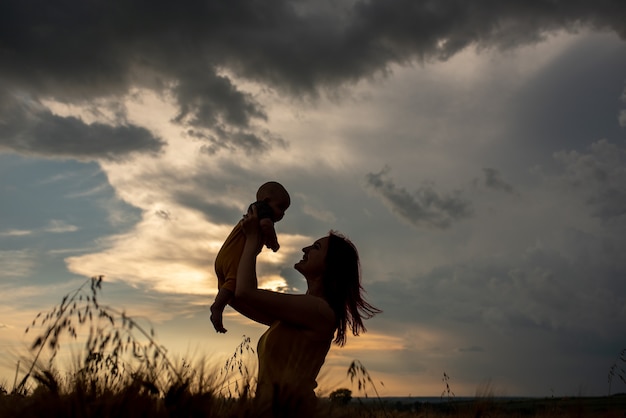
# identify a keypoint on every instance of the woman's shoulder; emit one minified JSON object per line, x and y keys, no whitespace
{"x":315,"y":314}
{"x":323,"y":307}
{"x":304,"y":311}
{"x":326,"y":315}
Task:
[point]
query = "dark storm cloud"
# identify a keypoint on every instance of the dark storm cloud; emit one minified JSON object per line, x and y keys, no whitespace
{"x":575,"y":288}
{"x":227,"y":138}
{"x":493,"y":180}
{"x":31,"y":129}
{"x":75,"y":51}
{"x":568,"y":275}
{"x":423,"y":207}
{"x":277,"y":40}
{"x":206,"y":99}
{"x":599,"y":175}
{"x":574,"y":100}
{"x":442,"y":28}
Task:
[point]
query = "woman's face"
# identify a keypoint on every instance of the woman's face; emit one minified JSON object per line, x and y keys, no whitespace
{"x":313,"y":263}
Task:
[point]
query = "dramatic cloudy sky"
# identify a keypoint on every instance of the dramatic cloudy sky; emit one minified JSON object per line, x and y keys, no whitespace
{"x":474,"y":151}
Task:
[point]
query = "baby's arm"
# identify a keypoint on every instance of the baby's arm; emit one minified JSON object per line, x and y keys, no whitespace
{"x":269,"y":234}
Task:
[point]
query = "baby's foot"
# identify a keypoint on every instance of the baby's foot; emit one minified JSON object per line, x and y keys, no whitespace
{"x":216,"y":319}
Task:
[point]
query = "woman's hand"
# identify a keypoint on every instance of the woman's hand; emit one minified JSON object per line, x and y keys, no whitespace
{"x":246,"y":272}
{"x":251,"y":229}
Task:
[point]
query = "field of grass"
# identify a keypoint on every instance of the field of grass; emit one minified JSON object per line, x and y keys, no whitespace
{"x":140,"y":400}
{"x":123,"y":372}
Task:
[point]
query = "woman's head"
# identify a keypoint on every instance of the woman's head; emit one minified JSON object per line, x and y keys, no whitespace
{"x":342,"y":286}
{"x":313,"y":263}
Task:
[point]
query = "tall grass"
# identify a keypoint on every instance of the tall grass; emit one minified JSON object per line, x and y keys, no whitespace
{"x":122,"y":371}
{"x":617,"y":369}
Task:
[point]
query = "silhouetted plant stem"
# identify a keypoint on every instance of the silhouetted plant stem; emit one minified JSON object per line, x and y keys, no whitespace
{"x":105,"y":345}
{"x":618,"y":370}
{"x":237,"y":361}
{"x":56,"y":327}
{"x":17,"y":370}
{"x":358,"y":371}
{"x":447,"y":392}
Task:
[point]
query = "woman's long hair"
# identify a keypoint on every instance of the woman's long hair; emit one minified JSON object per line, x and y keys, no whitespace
{"x":342,"y":287}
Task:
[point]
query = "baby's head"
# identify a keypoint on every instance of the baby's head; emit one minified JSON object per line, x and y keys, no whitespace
{"x":276,"y":196}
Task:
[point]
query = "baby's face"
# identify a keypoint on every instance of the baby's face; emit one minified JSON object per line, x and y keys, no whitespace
{"x":279,"y":205}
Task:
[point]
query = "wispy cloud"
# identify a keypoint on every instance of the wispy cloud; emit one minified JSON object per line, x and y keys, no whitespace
{"x":424,"y":207}
{"x":600,"y":175}
{"x":91,"y":192}
{"x":15,"y":232}
{"x":493,"y":179}
{"x":16,"y":263}
{"x":58,"y":227}
{"x":54,"y":226}
{"x":320,"y":214}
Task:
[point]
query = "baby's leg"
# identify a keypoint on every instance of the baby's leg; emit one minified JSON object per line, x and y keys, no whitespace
{"x":217,"y":309}
{"x":216,"y":319}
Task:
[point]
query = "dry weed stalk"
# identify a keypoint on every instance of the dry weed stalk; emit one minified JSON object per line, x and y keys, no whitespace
{"x":357,"y":371}
{"x":617,"y":369}
{"x":113,"y":337}
{"x":238,"y":362}
{"x":447,"y":392}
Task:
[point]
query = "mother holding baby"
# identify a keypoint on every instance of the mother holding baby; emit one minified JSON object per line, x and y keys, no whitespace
{"x":301,"y":327}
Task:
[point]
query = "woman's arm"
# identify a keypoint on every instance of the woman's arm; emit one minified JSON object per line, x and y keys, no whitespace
{"x":305,"y":310}
{"x":251,"y":313}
